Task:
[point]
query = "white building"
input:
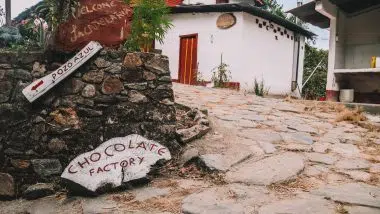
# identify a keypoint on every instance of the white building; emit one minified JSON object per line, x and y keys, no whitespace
{"x":354,"y":40}
{"x":257,"y":45}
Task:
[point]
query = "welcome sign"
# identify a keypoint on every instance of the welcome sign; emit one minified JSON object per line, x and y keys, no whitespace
{"x":105,"y":21}
{"x":41,"y":86}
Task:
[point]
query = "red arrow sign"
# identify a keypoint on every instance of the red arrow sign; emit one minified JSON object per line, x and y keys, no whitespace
{"x":37,"y":85}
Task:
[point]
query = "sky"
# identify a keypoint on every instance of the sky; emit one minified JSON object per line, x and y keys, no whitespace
{"x":322,"y":35}
{"x":322,"y":40}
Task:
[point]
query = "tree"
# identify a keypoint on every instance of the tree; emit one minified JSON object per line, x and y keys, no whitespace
{"x":275,"y":8}
{"x":316,"y":86}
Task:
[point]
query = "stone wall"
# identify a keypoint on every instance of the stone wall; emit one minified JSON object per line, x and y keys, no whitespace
{"x":113,"y":95}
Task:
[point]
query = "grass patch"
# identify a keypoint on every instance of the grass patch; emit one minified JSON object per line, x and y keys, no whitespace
{"x":352,"y":115}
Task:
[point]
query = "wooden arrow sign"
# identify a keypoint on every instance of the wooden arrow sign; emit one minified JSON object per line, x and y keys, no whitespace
{"x":43,"y":85}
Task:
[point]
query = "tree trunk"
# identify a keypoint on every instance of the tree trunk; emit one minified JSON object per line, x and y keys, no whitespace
{"x":8,"y":19}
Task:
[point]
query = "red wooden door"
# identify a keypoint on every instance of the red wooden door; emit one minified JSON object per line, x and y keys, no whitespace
{"x":187,"y":73}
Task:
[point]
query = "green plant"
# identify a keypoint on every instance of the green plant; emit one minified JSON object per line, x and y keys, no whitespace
{"x":9,"y":36}
{"x":56,"y":12}
{"x":221,"y":74}
{"x":259,"y":88}
{"x":316,"y":86}
{"x":150,"y":23}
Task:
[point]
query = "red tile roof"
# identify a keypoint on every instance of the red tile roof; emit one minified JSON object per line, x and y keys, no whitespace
{"x":172,"y":3}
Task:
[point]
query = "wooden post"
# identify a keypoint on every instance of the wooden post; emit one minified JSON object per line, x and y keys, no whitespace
{"x":8,"y":19}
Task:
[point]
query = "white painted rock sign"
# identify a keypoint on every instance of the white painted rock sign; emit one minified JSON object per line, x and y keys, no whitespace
{"x":44,"y":84}
{"x":116,"y":161}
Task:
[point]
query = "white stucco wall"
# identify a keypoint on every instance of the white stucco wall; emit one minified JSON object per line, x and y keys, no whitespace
{"x":249,"y":51}
{"x":212,"y":42}
{"x":265,"y":57}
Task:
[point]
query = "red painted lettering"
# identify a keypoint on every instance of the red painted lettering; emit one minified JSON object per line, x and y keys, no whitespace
{"x":95,"y":157}
{"x":131,"y":161}
{"x":99,"y":170}
{"x":122,"y":148}
{"x":85,"y":161}
{"x":129,"y":146}
{"x":124,"y":163}
{"x":161,"y":151}
{"x":141,"y":159}
{"x":71,"y":171}
{"x":92,"y":171}
{"x":152,"y":146}
{"x":141,"y":145}
{"x":105,"y":168}
{"x":106,"y":151}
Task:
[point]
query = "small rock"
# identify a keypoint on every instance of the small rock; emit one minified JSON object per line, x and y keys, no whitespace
{"x":114,"y":69}
{"x":361,"y":210}
{"x":165,"y":79}
{"x":102,"y":63}
{"x":353,"y":164}
{"x":56,"y":145}
{"x":146,"y":193}
{"x":195,"y":132}
{"x":320,"y":147}
{"x":66,"y":117}
{"x":149,"y":76}
{"x":93,"y":76}
{"x":375,"y":168}
{"x":357,"y":175}
{"x":188,"y":155}
{"x":321,"y":158}
{"x":210,"y":202}
{"x":302,"y":128}
{"x":294,"y":147}
{"x":347,"y":150}
{"x":5,"y":91}
{"x":73,"y":86}
{"x":215,"y":162}
{"x":132,"y":61}
{"x":268,"y":147}
{"x":89,"y":91}
{"x":20,"y":164}
{"x":112,"y":85}
{"x":47,"y":167}
{"x":137,"y":86}
{"x":87,"y":112}
{"x":12,"y":152}
{"x":158,"y":64}
{"x":22,"y":74}
{"x":39,"y":190}
{"x":38,"y":119}
{"x":301,"y":138}
{"x":299,"y":206}
{"x":168,"y":102}
{"x":137,"y":97}
{"x":38,"y":69}
{"x":7,"y":189}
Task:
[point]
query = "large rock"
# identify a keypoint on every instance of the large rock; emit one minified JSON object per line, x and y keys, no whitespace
{"x":38,"y":191}
{"x":322,"y":158}
{"x":299,"y":137}
{"x":195,"y":132}
{"x":116,"y":161}
{"x":271,"y":170}
{"x":299,"y":206}
{"x":361,"y":210}
{"x":261,"y":135}
{"x":7,"y":189}
{"x":215,"y":162}
{"x":231,"y":199}
{"x":352,"y":193}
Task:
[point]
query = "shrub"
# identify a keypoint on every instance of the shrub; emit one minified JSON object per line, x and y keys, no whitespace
{"x":150,"y":23}
{"x":259,"y":88}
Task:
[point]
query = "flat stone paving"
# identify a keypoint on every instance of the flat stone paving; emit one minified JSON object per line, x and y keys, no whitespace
{"x":276,"y":156}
